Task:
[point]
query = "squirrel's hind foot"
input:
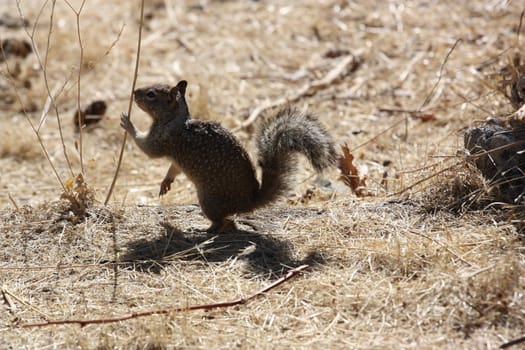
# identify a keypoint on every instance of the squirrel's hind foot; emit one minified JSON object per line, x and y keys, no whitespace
{"x":226,"y":225}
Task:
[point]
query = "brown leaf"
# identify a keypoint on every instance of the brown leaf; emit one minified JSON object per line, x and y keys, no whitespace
{"x":427,"y":117}
{"x":350,"y":174}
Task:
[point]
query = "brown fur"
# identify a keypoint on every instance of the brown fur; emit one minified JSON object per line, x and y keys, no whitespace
{"x":214,"y":160}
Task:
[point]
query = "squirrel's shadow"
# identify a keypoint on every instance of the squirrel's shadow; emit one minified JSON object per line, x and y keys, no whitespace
{"x":263,"y":254}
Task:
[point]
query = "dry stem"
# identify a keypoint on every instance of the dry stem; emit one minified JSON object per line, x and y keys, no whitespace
{"x":130,"y":105}
{"x":291,"y":273}
{"x":26,"y":116}
{"x":512,"y":343}
{"x":43,"y":68}
{"x":81,"y":59}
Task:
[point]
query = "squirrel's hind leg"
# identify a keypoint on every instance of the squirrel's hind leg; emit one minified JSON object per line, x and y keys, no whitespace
{"x":217,"y":210}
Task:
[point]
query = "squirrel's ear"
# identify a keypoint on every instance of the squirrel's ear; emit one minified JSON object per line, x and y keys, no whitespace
{"x":181,"y":86}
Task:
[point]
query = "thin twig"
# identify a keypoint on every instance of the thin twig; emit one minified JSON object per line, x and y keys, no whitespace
{"x":49,"y":32}
{"x":470,"y":101}
{"x":80,"y":63}
{"x":226,"y":304}
{"x":43,"y":68}
{"x":12,"y":200}
{"x":442,"y":245}
{"x":8,"y":294}
{"x":8,"y":301}
{"x":425,"y":179}
{"x":47,"y":105}
{"x":441,"y":69}
{"x":26,"y":115}
{"x":130,"y":105}
{"x":426,"y":167}
{"x":306,"y":90}
{"x":496,"y":149}
{"x":378,"y":134}
{"x":432,"y":91}
{"x":512,"y":343}
{"x":111,"y":46}
{"x":519,"y":28}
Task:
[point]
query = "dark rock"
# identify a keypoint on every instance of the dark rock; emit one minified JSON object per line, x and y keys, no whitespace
{"x":499,"y":153}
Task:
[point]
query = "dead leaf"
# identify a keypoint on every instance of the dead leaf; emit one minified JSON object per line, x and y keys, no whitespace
{"x":79,"y":195}
{"x":350,"y":174}
{"x":427,"y":117}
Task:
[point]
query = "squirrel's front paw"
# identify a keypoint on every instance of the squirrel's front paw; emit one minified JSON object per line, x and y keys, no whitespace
{"x":165,"y":186}
{"x":126,"y":124}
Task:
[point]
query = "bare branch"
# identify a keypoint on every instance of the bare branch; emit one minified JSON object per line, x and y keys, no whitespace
{"x":40,"y":141}
{"x":291,"y":273}
{"x":441,"y":69}
{"x":426,"y":179}
{"x":130,"y":105}
{"x":306,"y":90}
{"x":80,"y":63}
{"x":512,"y":343}
{"x":519,"y":28}
{"x":43,"y":68}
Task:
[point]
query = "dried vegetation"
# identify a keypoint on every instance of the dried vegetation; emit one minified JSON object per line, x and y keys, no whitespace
{"x":427,"y":256}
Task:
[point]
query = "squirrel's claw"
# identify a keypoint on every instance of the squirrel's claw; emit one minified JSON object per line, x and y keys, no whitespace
{"x":165,"y":186}
{"x":126,"y":123}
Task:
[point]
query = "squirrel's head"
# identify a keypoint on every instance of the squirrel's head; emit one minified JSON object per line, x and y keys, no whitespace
{"x":163,"y":101}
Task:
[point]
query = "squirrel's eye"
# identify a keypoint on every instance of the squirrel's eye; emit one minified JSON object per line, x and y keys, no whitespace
{"x":150,"y":94}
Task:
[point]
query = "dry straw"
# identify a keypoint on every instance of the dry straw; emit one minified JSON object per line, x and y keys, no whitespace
{"x":426,"y":260}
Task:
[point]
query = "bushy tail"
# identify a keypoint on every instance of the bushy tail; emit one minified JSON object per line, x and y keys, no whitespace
{"x":278,"y":138}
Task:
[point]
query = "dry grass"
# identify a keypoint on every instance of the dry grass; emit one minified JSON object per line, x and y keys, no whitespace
{"x":427,"y":266}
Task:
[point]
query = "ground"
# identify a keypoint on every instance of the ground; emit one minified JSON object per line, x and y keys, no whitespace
{"x":421,"y":258}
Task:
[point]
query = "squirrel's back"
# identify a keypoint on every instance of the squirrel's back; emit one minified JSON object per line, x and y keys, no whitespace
{"x":214,"y":160}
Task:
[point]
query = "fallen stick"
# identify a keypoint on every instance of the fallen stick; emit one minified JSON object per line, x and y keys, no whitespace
{"x":512,"y":343}
{"x":7,"y":294}
{"x":225,"y":304}
{"x":306,"y":90}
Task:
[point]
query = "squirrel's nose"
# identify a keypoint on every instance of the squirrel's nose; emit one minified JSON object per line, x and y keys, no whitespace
{"x":135,"y":94}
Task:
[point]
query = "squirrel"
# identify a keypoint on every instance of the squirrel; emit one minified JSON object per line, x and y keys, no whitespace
{"x":214,"y":160}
